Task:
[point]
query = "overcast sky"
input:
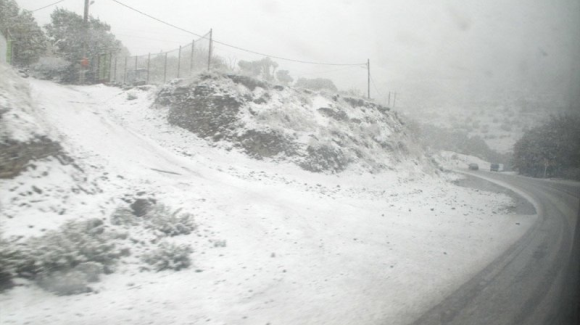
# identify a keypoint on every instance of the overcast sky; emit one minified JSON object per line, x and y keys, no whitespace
{"x":421,"y":49}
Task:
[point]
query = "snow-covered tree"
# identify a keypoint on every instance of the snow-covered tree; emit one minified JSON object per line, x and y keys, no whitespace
{"x":284,"y":77}
{"x":552,"y":149}
{"x":8,"y":13}
{"x":264,"y":68}
{"x":28,"y":40}
{"x":68,"y":33}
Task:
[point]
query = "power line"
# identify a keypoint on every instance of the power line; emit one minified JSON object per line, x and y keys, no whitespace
{"x":302,"y":73}
{"x":233,"y":46}
{"x":149,"y":38}
{"x":50,"y":5}
{"x":375,"y":86}
{"x":157,"y":19}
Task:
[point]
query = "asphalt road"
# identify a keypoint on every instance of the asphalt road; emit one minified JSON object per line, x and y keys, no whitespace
{"x":536,"y":280}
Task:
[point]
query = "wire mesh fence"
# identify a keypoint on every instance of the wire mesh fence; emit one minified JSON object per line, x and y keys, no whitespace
{"x":202,"y":54}
{"x":154,"y":68}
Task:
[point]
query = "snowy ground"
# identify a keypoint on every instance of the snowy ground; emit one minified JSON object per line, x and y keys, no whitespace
{"x":453,"y":160}
{"x":302,"y":248}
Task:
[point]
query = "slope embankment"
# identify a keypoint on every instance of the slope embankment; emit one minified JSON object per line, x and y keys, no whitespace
{"x":271,"y":241}
{"x":318,"y":131}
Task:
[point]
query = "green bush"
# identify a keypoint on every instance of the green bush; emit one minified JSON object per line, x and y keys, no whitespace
{"x":169,"y":256}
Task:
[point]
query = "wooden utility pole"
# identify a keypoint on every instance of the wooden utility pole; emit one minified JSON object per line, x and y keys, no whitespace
{"x":368,"y":78}
{"x":210,"y":49}
{"x":86,"y":15}
{"x":86,"y":36}
{"x":191,"y":58}
{"x":179,"y":61}
{"x":394,"y":99}
{"x":148,"y":66}
{"x":165,"y":69}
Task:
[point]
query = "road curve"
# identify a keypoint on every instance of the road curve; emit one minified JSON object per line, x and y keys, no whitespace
{"x":535,"y":281}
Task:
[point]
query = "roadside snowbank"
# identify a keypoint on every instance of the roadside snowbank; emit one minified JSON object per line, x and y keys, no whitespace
{"x":454,"y":160}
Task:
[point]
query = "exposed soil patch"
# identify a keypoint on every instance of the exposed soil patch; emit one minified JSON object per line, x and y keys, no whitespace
{"x":15,"y":156}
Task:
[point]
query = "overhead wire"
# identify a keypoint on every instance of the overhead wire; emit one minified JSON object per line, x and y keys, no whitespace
{"x":50,"y":5}
{"x":233,"y":46}
{"x":324,"y":72}
{"x":375,"y":86}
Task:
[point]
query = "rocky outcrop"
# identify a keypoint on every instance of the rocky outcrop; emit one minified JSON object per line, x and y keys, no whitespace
{"x":318,"y":131}
{"x":16,"y":156}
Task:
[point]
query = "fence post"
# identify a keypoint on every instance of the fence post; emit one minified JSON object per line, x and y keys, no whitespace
{"x":125,"y":74}
{"x":369,"y":78}
{"x":115,"y":68}
{"x":191,"y":60}
{"x":148,"y":66}
{"x":98,"y":70}
{"x":165,"y":69}
{"x":178,"y":61}
{"x":110,"y":66}
{"x":210,"y":50}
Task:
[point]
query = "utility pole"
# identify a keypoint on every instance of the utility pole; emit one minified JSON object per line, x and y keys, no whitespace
{"x":394,"y":99}
{"x":368,"y":78}
{"x":84,"y":61}
{"x":389,"y":103}
{"x":86,"y":16}
{"x":210,"y":49}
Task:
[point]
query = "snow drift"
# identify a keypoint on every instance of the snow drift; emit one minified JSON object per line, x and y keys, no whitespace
{"x":318,"y":131}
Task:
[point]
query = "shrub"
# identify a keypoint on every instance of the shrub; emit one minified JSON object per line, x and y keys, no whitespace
{"x":9,"y":260}
{"x":169,"y":256}
{"x":171,"y":223}
{"x":64,"y":283}
{"x":50,"y":68}
{"x":123,"y":217}
{"x":74,"y":244}
{"x":131,"y":95}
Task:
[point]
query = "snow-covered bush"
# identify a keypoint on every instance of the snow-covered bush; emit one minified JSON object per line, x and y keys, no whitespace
{"x":64,"y":283}
{"x":171,"y":223}
{"x":10,"y":258}
{"x":169,"y":256}
{"x":123,"y":216}
{"x":63,"y":261}
{"x":50,"y":68}
{"x":132,"y":95}
{"x":72,"y":245}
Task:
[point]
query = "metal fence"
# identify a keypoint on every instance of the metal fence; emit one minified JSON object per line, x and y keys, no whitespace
{"x":201,"y":54}
{"x":153,"y":68}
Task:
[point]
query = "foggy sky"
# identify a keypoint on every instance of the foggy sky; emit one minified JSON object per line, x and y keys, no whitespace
{"x":428,"y":51}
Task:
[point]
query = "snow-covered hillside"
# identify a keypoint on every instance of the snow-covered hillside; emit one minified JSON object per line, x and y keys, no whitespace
{"x":271,"y":242}
{"x":320,"y":132}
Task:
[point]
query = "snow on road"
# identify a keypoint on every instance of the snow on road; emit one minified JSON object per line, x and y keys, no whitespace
{"x":302,"y":248}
